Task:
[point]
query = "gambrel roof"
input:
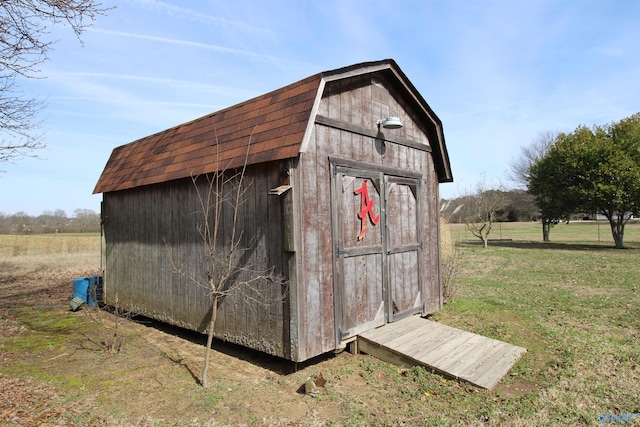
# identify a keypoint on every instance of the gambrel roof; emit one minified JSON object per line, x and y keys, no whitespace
{"x":269,"y":127}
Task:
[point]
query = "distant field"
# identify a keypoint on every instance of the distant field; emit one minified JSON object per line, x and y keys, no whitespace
{"x":56,"y":252}
{"x":46,"y":244}
{"x":576,"y":231}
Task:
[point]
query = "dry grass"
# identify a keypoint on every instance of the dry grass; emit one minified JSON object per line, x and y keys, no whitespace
{"x":57,"y":253}
{"x":449,"y":262}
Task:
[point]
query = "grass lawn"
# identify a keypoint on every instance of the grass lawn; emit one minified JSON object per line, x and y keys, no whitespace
{"x":573,"y":303}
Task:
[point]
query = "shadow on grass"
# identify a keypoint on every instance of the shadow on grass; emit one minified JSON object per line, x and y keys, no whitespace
{"x":527,"y":244}
{"x":275,"y":364}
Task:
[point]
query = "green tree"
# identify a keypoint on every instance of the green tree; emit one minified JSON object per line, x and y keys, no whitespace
{"x":615,"y":190}
{"x":549,"y":181}
{"x":592,"y":170}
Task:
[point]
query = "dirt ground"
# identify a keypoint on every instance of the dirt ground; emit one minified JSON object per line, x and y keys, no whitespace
{"x":57,"y":368}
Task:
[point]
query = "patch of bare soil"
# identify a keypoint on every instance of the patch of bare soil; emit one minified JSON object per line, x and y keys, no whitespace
{"x":517,"y":388}
{"x":56,"y":368}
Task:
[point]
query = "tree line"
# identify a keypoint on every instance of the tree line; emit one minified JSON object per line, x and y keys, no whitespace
{"x":82,"y":221}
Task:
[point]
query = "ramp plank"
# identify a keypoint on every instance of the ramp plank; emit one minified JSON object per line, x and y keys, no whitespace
{"x":452,"y":352}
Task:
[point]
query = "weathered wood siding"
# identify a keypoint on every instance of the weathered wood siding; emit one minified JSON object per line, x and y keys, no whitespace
{"x":147,"y":227}
{"x":358,"y":101}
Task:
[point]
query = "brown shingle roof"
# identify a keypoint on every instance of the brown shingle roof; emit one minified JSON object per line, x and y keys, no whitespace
{"x":274,"y":123}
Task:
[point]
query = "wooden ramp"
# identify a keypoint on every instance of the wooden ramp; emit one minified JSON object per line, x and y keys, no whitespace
{"x":451,"y":352}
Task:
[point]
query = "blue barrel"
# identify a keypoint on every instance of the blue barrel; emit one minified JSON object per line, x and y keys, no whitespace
{"x":81,"y":288}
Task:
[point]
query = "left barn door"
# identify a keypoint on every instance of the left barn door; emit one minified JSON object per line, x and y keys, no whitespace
{"x":358,"y":220}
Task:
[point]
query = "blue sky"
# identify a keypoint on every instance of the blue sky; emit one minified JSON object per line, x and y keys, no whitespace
{"x":496,"y":73}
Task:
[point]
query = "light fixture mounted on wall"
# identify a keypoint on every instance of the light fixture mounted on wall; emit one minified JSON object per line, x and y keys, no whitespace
{"x":390,"y":123}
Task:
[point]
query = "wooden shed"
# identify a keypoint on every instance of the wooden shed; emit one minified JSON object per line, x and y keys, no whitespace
{"x":342,"y":204}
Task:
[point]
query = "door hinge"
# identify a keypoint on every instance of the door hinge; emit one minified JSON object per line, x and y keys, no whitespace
{"x":340,"y":252}
{"x":342,"y":335}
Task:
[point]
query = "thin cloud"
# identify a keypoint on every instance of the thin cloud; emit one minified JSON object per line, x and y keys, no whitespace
{"x":114,"y":101}
{"x":170,"y":9}
{"x":132,"y":106}
{"x":165,"y":82}
{"x":281,"y":62}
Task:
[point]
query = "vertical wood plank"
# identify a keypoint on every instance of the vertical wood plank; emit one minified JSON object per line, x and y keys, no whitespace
{"x":275,"y":257}
{"x":325,"y":254}
{"x":311,"y":313}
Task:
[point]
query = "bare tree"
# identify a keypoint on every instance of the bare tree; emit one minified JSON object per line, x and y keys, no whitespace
{"x":220,"y":196}
{"x":86,"y":219}
{"x":478,"y":211}
{"x":529,"y":155}
{"x":24,"y":46}
{"x":20,"y":130}
{"x":108,"y":335}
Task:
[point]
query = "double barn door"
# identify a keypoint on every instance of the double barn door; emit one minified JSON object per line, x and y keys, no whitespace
{"x":377,"y":237}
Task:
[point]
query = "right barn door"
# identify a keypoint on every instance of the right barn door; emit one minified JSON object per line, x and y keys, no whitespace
{"x":403,"y":246}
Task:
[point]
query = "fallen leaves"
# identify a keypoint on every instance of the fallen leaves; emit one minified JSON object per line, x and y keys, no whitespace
{"x":27,"y":402}
{"x":426,"y":395}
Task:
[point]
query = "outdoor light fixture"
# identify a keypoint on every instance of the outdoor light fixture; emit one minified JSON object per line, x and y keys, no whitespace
{"x":390,"y":123}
